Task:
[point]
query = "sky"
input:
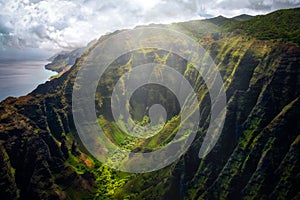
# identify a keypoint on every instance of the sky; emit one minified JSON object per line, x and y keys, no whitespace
{"x":54,"y":25}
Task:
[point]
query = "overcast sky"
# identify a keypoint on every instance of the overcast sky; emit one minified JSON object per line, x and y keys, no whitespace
{"x":67,"y":24}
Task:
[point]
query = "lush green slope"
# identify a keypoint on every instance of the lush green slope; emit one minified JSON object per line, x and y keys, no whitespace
{"x":281,"y":25}
{"x":257,"y":156}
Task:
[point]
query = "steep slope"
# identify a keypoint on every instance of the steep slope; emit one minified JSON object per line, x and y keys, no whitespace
{"x":257,"y":156}
{"x":281,"y":25}
{"x":257,"y":153}
{"x":63,"y":60}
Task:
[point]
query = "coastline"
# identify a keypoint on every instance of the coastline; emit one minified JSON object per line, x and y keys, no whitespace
{"x":18,"y":78}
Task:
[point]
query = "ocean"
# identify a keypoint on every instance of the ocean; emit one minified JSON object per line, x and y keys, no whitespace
{"x":18,"y":78}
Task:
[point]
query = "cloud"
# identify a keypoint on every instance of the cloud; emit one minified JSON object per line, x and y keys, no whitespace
{"x":273,"y":4}
{"x":66,"y":24}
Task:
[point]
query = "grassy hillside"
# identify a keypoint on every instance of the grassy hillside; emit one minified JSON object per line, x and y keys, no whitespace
{"x":281,"y":25}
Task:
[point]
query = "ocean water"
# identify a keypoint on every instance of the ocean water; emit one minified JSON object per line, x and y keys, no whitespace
{"x":18,"y":78}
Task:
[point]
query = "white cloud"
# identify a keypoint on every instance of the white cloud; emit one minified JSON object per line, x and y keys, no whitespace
{"x":66,"y":24}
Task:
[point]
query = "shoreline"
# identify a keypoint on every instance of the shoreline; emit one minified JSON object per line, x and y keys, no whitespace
{"x":19,"y":78}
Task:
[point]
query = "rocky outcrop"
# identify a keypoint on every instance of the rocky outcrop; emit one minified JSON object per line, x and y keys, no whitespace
{"x":64,"y":60}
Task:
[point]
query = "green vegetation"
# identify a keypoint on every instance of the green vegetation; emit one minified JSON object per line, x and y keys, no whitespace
{"x":281,"y":25}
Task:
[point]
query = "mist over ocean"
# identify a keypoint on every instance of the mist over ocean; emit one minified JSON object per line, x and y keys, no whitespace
{"x":18,"y":78}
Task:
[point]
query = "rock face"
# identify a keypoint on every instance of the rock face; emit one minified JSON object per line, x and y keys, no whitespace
{"x":63,"y":60}
{"x":257,"y":156}
{"x":9,"y":189}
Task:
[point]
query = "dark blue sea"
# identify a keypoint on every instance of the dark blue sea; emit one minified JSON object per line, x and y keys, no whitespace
{"x":18,"y":78}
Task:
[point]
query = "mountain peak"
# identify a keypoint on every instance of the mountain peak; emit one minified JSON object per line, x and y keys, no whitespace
{"x":242,"y":17}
